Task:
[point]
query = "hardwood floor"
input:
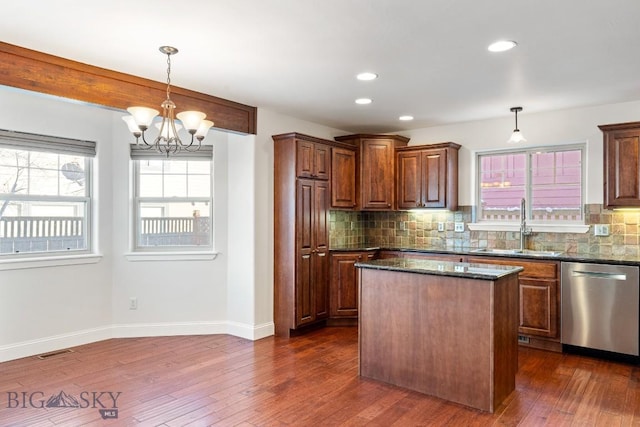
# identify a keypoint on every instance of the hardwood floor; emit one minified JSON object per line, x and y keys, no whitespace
{"x":307,"y":380}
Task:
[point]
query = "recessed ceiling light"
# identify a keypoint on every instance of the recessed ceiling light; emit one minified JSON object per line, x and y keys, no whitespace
{"x":363,"y":101}
{"x":366,"y":76}
{"x":405,"y":118}
{"x":502,"y":45}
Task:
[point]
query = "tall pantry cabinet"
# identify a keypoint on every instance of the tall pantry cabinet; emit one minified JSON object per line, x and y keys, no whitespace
{"x":302,"y":199}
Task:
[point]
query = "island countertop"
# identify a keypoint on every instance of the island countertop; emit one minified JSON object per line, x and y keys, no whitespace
{"x":442,"y":268}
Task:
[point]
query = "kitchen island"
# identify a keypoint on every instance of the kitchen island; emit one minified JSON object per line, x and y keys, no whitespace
{"x":441,"y":328}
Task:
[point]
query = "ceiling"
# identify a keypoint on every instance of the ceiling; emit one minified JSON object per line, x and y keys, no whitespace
{"x":300,"y":57}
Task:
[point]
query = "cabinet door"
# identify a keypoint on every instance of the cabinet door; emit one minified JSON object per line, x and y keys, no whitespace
{"x":344,"y":284}
{"x":434,"y":178}
{"x":304,"y":159}
{"x":538,"y":307}
{"x":304,"y":292}
{"x":320,"y":252}
{"x":409,"y":191}
{"x":322,"y":161}
{"x":377,"y":183}
{"x":312,"y":160}
{"x":343,"y":178}
{"x":622,"y":168}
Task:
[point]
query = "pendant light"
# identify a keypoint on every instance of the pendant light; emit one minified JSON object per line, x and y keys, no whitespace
{"x":168,"y":142}
{"x":516,"y":136}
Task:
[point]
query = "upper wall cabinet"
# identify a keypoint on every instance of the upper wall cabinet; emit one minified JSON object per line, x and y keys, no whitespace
{"x":344,"y":193}
{"x":313,"y":160}
{"x":621,"y":165}
{"x":427,"y":176}
{"x":376,"y":169}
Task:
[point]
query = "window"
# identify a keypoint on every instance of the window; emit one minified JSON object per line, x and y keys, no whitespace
{"x":550,"y":179}
{"x":45,"y":194}
{"x":173,"y":200}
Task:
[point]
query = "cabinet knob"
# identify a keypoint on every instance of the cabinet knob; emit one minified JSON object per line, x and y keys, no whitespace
{"x":388,"y":205}
{"x":417,"y":204}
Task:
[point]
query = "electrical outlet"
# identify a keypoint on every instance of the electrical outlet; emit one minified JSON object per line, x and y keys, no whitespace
{"x":458,"y":227}
{"x":441,"y":226}
{"x":133,"y":303}
{"x":601,"y":229}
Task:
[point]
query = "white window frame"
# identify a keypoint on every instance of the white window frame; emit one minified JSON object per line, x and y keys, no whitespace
{"x":177,"y":252}
{"x":536,"y":226}
{"x":28,"y":142}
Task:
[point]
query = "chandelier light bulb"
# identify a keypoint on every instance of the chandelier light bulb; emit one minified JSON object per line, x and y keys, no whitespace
{"x":191,"y":119}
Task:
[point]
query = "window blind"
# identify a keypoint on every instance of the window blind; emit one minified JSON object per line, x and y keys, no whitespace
{"x":51,"y":144}
{"x":142,"y":152}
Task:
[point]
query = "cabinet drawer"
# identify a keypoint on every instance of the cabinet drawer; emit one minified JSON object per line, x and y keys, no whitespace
{"x":535,"y":269}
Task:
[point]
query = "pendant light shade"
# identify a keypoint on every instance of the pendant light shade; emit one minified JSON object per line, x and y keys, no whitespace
{"x":516,"y":136}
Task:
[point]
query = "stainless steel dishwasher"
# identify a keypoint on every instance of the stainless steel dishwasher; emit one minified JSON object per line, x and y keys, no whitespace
{"x":600,"y":307}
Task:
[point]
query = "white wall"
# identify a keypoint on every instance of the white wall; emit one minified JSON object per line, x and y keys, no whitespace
{"x":173,"y":297}
{"x":67,"y":304}
{"x":552,"y":128}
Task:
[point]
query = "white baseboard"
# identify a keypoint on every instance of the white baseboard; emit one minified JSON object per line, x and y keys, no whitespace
{"x":250,"y":332}
{"x":136,"y":330}
{"x":53,"y":343}
{"x":57,"y":342}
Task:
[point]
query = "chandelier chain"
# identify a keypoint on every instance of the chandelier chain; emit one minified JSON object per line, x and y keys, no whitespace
{"x":168,"y":74}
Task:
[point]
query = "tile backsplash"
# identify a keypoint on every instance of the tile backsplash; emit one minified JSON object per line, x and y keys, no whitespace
{"x":419,"y":229}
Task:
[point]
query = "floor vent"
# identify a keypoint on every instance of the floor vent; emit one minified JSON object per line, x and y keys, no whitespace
{"x":54,"y":353}
{"x":522,"y":339}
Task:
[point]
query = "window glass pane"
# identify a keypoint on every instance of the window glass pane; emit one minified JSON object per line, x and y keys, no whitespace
{"x":72,"y":176}
{"x":33,"y":215}
{"x":150,"y":166}
{"x":39,"y":226}
{"x":200,"y":168}
{"x":199,"y":186}
{"x":150,"y":185}
{"x":174,"y":224}
{"x":164,"y":222}
{"x":502,"y":186}
{"x":552,"y":180}
{"x":43,"y":182}
{"x":175,"y":186}
{"x":556,"y":193}
{"x":175,"y":166}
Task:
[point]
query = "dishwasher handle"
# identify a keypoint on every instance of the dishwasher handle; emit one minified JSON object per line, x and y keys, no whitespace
{"x":599,"y":275}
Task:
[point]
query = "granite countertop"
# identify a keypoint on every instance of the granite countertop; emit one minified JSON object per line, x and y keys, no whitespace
{"x":442,"y":268}
{"x":571,"y":257}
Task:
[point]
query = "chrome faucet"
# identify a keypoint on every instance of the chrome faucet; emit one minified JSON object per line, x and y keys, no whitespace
{"x":524,"y":231}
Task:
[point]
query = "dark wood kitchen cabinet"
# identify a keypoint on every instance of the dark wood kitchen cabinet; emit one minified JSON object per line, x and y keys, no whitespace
{"x":621,"y":165}
{"x":343,"y":178}
{"x":313,"y":159}
{"x":427,"y":176}
{"x":539,"y":299}
{"x":312,"y":249}
{"x":376,"y":168}
{"x":302,"y":199}
{"x":344,"y":283}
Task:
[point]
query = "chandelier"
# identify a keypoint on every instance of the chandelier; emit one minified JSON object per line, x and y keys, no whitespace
{"x":168,"y":142}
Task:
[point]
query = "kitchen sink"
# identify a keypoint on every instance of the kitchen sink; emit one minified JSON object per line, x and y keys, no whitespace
{"x":516,"y":252}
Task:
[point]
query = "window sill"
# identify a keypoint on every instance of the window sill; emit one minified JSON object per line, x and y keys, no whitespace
{"x":536,"y":228}
{"x":171,"y":256}
{"x":49,"y":261}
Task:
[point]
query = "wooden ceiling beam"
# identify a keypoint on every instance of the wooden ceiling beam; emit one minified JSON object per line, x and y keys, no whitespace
{"x":40,"y":72}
